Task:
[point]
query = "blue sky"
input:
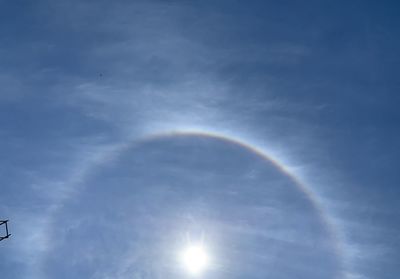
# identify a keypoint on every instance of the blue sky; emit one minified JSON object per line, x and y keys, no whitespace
{"x":266,"y":130}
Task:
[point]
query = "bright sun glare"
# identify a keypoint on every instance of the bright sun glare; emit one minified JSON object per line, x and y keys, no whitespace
{"x":195,"y":259}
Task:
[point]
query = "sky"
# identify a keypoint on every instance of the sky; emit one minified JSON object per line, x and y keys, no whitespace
{"x":264,"y":131}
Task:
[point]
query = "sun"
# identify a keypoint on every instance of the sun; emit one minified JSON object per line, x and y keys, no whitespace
{"x":195,"y":259}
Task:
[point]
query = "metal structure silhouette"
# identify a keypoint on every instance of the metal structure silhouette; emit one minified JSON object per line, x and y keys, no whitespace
{"x":4,"y":223}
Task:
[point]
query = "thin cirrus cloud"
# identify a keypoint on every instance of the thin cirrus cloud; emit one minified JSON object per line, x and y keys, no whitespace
{"x":90,"y":79}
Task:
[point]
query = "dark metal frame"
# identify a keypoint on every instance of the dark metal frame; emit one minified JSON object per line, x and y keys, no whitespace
{"x":4,"y":223}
